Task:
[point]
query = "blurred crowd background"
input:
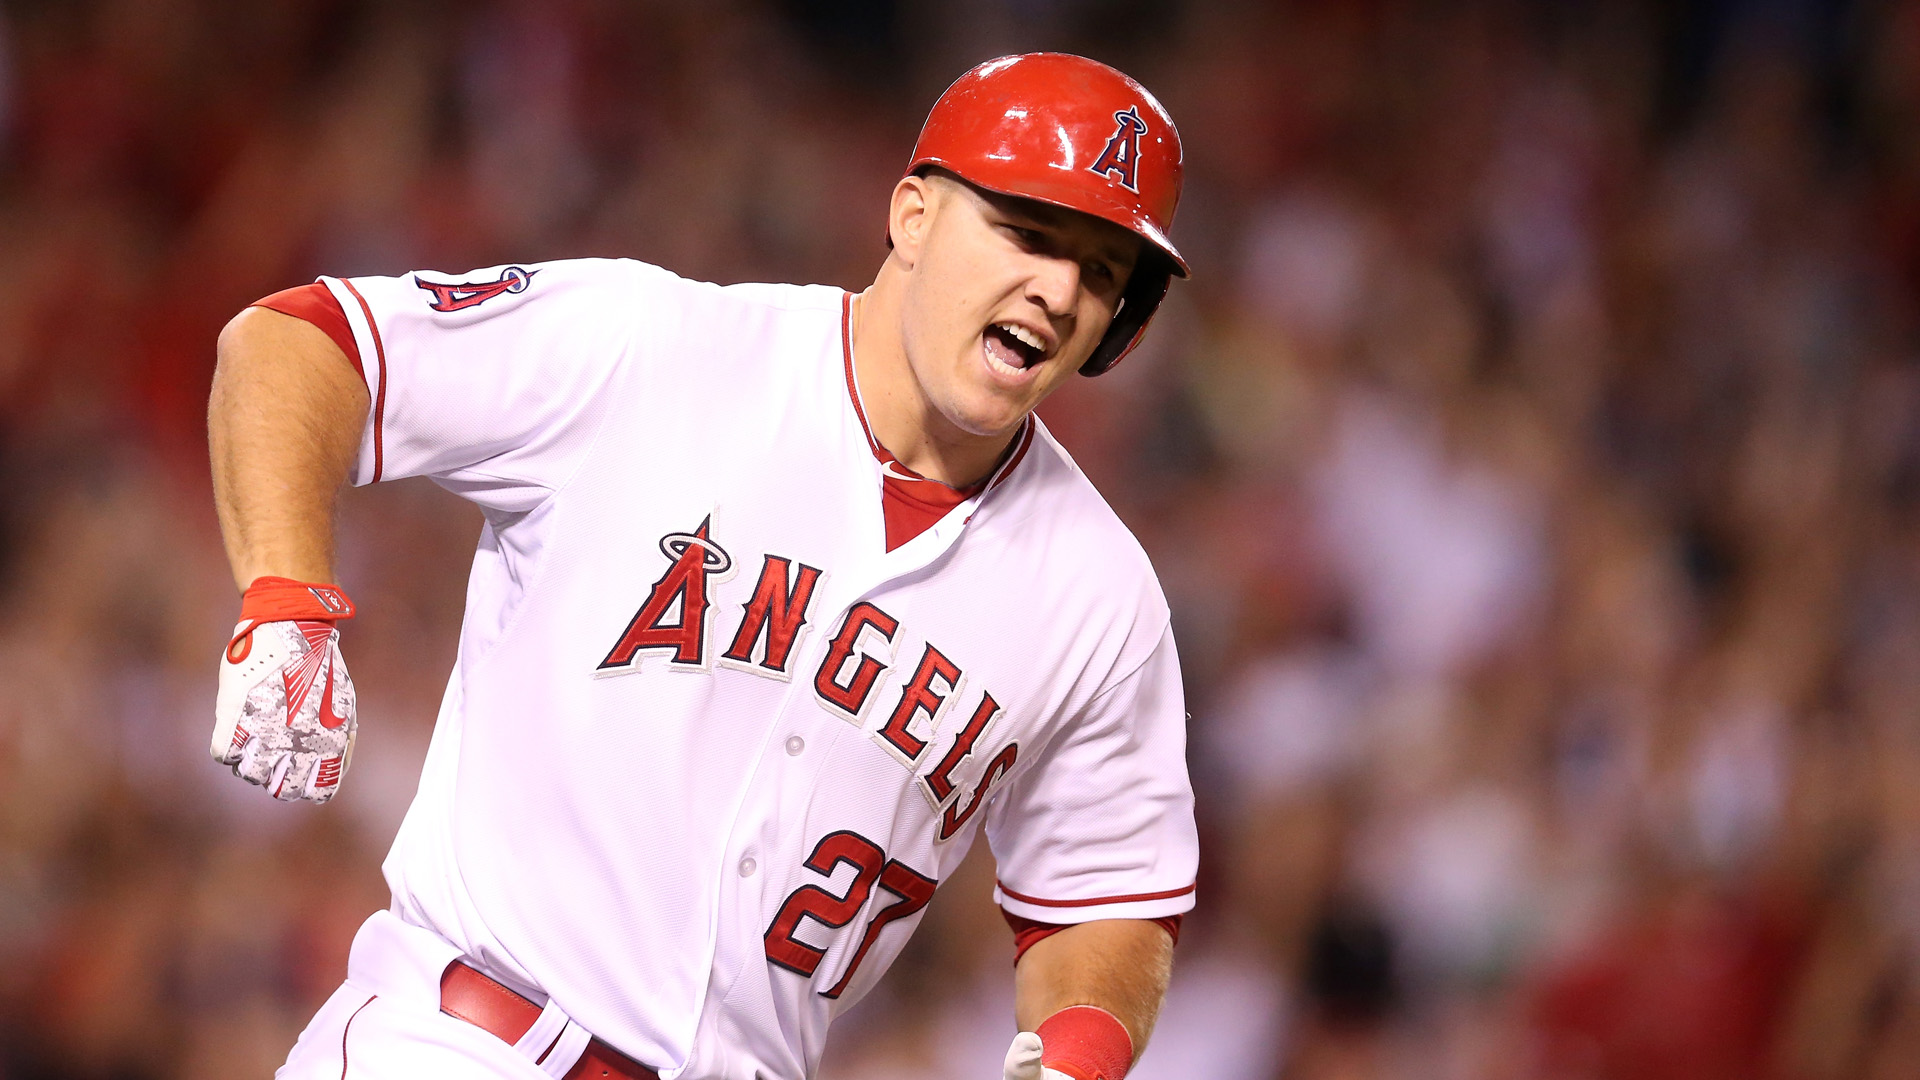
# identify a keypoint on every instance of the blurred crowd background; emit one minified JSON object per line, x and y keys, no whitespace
{"x":1533,"y":465}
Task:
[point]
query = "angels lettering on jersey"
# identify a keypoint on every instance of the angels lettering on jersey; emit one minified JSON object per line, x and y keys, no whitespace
{"x":676,"y":622}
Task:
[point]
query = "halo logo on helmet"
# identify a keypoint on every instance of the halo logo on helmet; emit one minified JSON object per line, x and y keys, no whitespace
{"x":1028,"y":125}
{"x":1123,"y":148}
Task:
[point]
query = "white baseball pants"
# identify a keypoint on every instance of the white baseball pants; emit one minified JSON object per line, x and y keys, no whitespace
{"x":385,"y":1023}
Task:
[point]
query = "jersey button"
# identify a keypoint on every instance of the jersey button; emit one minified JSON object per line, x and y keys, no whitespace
{"x":795,"y":744}
{"x":748,"y":866}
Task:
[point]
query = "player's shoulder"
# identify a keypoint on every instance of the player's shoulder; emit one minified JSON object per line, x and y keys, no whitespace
{"x":1050,"y":504}
{"x":742,"y":312}
{"x":768,"y":297}
{"x":778,"y":297}
{"x":651,"y":279}
{"x":1047,"y":480}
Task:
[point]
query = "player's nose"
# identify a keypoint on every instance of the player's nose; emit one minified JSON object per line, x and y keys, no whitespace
{"x":1054,"y":283}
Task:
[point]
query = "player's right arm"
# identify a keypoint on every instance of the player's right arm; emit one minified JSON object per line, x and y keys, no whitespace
{"x":492,"y":384}
{"x":283,"y":428}
{"x":283,"y":425}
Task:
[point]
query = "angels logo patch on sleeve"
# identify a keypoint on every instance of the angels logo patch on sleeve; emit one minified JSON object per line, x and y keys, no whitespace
{"x":460,"y":295}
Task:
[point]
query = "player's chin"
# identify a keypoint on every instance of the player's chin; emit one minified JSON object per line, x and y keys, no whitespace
{"x":985,"y":417}
{"x":982,"y":405}
{"x":986,"y":411}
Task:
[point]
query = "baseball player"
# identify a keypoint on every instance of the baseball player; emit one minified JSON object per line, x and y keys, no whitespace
{"x":782,"y":594}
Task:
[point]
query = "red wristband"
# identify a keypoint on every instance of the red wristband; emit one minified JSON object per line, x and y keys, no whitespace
{"x":1086,"y":1042}
{"x":273,"y":599}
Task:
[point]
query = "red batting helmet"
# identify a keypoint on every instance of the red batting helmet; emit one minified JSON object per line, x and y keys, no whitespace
{"x":1073,"y":132}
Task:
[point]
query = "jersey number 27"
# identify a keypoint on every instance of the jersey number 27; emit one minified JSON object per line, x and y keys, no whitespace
{"x":871,"y":866}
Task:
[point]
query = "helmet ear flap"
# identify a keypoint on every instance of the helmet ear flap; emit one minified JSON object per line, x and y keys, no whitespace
{"x":1138,"y":302}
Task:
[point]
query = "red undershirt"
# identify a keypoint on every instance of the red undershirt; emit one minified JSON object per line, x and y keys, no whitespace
{"x":911,"y":504}
{"x":317,"y":306}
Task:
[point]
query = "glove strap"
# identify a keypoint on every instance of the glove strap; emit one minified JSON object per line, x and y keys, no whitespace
{"x":276,"y":599}
{"x":1086,"y":1042}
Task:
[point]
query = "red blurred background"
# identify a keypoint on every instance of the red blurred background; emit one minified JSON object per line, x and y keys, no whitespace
{"x":1533,"y":465}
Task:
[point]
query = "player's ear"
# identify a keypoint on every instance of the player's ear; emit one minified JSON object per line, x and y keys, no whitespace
{"x":909,"y":215}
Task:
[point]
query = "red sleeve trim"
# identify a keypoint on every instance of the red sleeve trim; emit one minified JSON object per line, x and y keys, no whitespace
{"x":380,"y":391}
{"x":1030,"y":932}
{"x":1095,"y":901}
{"x":316,"y":304}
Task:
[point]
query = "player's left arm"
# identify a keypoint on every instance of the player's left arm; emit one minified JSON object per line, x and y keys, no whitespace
{"x":1099,"y":829}
{"x":1118,"y":965}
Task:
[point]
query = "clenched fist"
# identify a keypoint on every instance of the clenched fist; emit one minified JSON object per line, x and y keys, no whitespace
{"x":285,"y":715}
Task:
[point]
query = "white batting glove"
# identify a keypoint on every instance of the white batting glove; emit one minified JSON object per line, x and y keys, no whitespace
{"x":284,"y":718}
{"x":1023,"y":1060}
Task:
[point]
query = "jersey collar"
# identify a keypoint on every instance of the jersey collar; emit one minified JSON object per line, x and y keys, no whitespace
{"x":889,"y":464}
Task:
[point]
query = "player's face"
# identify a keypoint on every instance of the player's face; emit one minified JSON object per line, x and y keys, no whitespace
{"x":1006,"y":300}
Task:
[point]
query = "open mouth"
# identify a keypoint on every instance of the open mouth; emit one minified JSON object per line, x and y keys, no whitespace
{"x":1014,"y":347}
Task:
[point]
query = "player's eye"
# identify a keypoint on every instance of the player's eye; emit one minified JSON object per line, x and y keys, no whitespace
{"x":1024,"y":236}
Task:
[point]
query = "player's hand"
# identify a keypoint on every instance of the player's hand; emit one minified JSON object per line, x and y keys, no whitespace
{"x":284,"y":718}
{"x":1023,"y":1060}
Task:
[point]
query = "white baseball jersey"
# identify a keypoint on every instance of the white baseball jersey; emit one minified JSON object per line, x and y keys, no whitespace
{"x":709,"y":746}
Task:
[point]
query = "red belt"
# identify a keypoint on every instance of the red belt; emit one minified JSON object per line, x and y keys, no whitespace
{"x":493,"y":1008}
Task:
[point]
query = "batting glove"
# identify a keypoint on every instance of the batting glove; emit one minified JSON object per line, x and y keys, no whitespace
{"x":1023,"y":1060}
{"x":285,"y":715}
